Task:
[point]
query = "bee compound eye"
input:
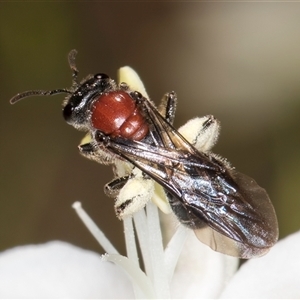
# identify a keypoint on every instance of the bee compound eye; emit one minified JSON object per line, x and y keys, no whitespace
{"x":67,"y":111}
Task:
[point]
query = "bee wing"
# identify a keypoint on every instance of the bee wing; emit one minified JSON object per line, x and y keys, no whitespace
{"x":153,"y":160}
{"x":223,"y":244}
{"x":163,"y":133}
{"x":249,"y":226}
{"x":244,"y":226}
{"x":249,"y":223}
{"x":229,"y":211}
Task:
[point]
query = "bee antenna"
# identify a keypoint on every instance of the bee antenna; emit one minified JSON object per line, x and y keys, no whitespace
{"x":72,"y":64}
{"x":26,"y":94}
{"x":71,"y":59}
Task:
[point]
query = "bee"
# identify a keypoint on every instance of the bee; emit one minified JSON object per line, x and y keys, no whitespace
{"x":227,"y":210}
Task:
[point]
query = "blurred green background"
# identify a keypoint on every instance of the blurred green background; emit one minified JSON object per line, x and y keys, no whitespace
{"x":237,"y":61}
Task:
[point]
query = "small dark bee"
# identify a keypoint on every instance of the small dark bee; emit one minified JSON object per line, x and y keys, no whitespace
{"x":227,"y":210}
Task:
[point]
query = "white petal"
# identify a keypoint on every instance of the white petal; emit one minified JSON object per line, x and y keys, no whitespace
{"x":276,"y":275}
{"x":59,"y":270}
{"x":201,"y":272}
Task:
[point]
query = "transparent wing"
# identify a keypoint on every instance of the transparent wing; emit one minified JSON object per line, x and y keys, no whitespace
{"x":250,"y":221}
{"x":229,"y":211}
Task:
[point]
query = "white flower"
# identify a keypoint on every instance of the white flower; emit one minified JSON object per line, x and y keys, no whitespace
{"x":275,"y":275}
{"x":185,"y":268}
{"x":61,"y":270}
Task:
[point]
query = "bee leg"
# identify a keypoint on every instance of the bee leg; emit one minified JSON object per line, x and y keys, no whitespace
{"x":88,"y":150}
{"x":202,"y":133}
{"x":134,"y":193}
{"x":92,"y":151}
{"x":167,"y":106}
{"x":131,"y":192}
{"x":112,"y":188}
